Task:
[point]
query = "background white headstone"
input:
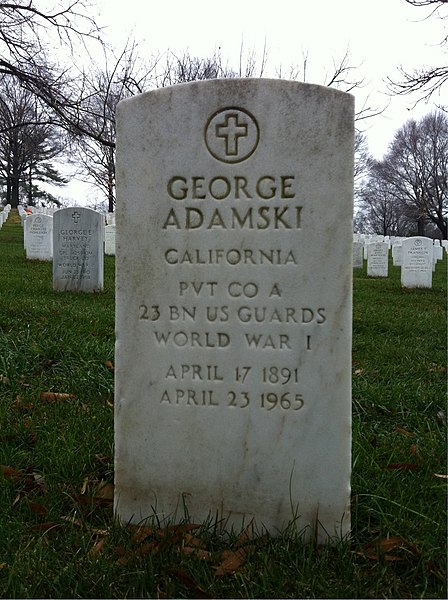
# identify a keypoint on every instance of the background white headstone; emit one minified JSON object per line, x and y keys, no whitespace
{"x":38,"y":236}
{"x":109,"y":240}
{"x":233,"y":319}
{"x":417,"y":262}
{"x":358,"y":255}
{"x":377,"y":259}
{"x":78,"y":246}
{"x":396,"y":254}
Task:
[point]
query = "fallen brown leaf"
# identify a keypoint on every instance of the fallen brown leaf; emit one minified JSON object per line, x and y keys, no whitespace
{"x":73,"y":520}
{"x":104,"y":491}
{"x":102,"y":458}
{"x":53,"y":396}
{"x":174,"y":534}
{"x":379,"y":549}
{"x":403,"y":431}
{"x":38,"y":509}
{"x":98,"y":547}
{"x":110,"y":365}
{"x":402,"y":466}
{"x":10,"y":472}
{"x":99,"y":531}
{"x":85,"y":483}
{"x":245,"y":535}
{"x":232,"y":560}
{"x":142,"y":533}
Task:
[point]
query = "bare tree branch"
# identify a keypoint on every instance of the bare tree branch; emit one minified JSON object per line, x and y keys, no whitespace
{"x":426,"y":81}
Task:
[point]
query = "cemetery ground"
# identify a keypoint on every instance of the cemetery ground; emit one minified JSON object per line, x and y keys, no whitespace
{"x":58,"y":535}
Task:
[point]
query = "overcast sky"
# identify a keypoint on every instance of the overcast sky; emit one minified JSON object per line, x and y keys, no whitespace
{"x":380,"y":35}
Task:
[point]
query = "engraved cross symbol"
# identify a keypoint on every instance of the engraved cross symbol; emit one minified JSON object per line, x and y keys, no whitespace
{"x":76,"y":216}
{"x":231,"y":131}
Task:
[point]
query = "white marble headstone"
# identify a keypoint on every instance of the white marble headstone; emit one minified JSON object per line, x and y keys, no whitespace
{"x":358,"y":255}
{"x":417,"y":262}
{"x":437,"y":251}
{"x":38,"y":236}
{"x":78,"y":245}
{"x":396,"y":254}
{"x":377,"y":259}
{"x":109,"y":240}
{"x":233,"y":317}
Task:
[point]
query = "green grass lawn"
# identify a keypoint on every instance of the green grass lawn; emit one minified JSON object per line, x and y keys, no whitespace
{"x":58,"y":536}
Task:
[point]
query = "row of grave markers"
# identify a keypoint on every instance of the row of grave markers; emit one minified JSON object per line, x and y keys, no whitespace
{"x":81,"y":236}
{"x":417,"y":256}
{"x":75,"y":239}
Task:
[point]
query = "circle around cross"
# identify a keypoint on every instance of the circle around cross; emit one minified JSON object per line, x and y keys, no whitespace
{"x":231,"y":135}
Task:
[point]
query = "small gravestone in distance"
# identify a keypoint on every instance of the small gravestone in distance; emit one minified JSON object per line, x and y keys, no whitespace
{"x":377,"y":259}
{"x":38,"y":236}
{"x":358,"y":255}
{"x":417,"y":262}
{"x":396,"y":254}
{"x":233,"y":318}
{"x":437,"y":251}
{"x":109,"y":240}
{"x":78,"y":261}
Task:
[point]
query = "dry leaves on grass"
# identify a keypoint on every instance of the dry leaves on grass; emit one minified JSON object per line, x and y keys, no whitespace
{"x":101,"y":493}
{"x":148,"y":540}
{"x":233,"y":560}
{"x":380,"y":549}
{"x":31,"y":482}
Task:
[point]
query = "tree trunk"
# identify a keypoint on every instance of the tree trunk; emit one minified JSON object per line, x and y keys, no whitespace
{"x":442,"y":225}
{"x":30,"y":188}
{"x":110,"y":190}
{"x":111,"y":199}
{"x":421,"y":226}
{"x":15,"y":192}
